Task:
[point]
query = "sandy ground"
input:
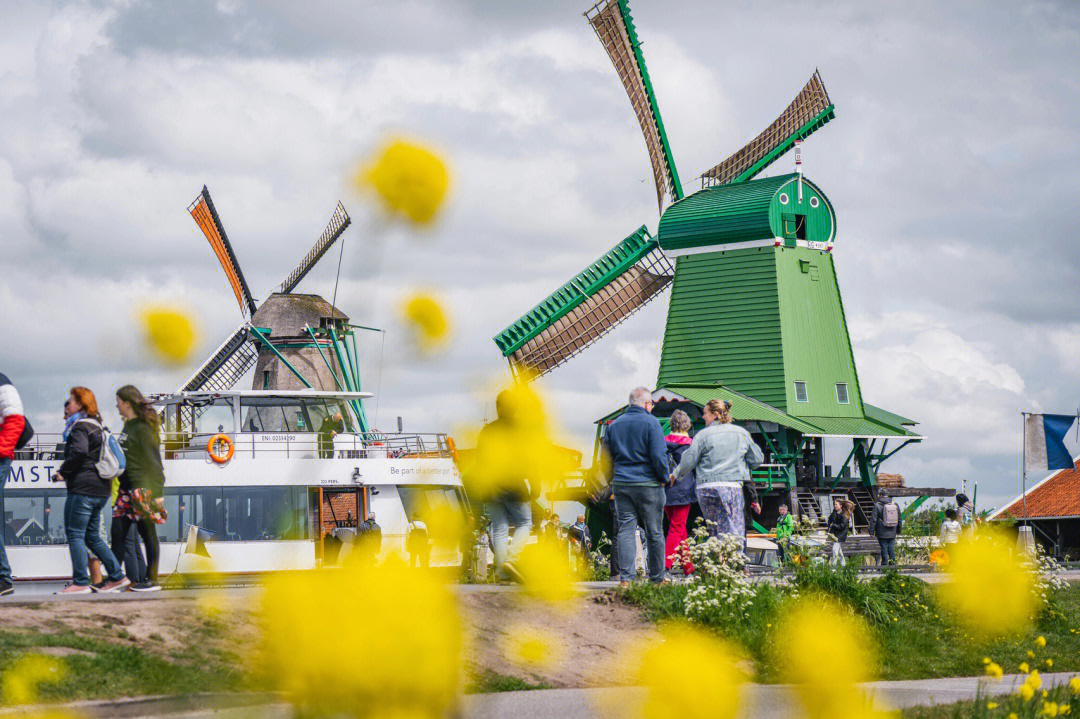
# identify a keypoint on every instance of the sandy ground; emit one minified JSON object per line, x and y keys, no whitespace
{"x":578,"y":644}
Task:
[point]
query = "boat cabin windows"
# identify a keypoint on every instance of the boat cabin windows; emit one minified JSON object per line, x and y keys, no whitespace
{"x":288,"y":414}
{"x":205,"y":416}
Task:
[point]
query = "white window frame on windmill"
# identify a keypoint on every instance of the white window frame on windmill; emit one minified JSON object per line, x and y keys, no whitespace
{"x":845,"y":398}
{"x":805,"y":392}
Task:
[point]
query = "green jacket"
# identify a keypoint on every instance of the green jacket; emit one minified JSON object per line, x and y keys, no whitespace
{"x":785,"y":527}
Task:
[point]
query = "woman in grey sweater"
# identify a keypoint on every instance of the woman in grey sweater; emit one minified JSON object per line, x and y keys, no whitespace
{"x":722,"y":456}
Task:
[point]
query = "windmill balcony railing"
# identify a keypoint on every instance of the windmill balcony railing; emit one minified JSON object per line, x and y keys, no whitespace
{"x":767,"y":474}
{"x":289,"y":444}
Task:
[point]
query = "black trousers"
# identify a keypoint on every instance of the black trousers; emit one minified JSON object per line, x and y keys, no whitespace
{"x":125,"y":547}
{"x":122,"y":529}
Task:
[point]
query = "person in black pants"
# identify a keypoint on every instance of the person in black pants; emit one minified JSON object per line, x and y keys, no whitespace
{"x":139,"y":500}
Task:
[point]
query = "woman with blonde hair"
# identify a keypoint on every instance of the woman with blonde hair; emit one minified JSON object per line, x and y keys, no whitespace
{"x":88,"y":494}
{"x":722,"y":455}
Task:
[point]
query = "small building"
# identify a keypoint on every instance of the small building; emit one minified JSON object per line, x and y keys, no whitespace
{"x":1052,"y":508}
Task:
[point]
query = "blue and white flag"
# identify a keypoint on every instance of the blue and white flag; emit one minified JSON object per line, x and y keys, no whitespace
{"x":1044,"y":441}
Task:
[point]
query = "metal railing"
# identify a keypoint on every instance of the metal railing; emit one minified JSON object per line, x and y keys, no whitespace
{"x":768,"y":473}
{"x":298,"y":445}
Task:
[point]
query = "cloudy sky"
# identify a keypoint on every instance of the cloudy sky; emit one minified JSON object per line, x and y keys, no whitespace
{"x":952,"y":164}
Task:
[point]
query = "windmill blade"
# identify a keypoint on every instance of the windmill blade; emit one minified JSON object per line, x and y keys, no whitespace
{"x":338,"y":222}
{"x":226,"y":365}
{"x":206,"y":217}
{"x":587,"y":307}
{"x":810,"y":109}
{"x":613,"y":25}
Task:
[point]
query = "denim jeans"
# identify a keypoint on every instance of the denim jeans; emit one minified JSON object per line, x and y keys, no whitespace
{"x":505,"y":512}
{"x":888,"y":550}
{"x":5,"y":567}
{"x":125,"y":547}
{"x":639,"y":503}
{"x":82,"y":521}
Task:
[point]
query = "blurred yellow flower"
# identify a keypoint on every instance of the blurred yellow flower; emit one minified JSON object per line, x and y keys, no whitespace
{"x":991,"y":705}
{"x":1064,"y":709}
{"x":362,"y":641}
{"x":939,"y":557}
{"x":1049,"y":663}
{"x":1040,"y":641}
{"x":1030,"y":654}
{"x":1025,"y":692}
{"x":1074,"y":685}
{"x":688,"y":674}
{"x":1049,"y":709}
{"x":826,"y":654}
{"x":545,"y":567}
{"x":528,"y":647}
{"x":1024,"y":667}
{"x":424,"y":314}
{"x":170,"y":333}
{"x":994,"y":670}
{"x":1012,"y":715}
{"x":411,"y":180}
{"x":21,"y":680}
{"x":987,"y":567}
{"x":445,"y":525}
{"x":1034,"y":679}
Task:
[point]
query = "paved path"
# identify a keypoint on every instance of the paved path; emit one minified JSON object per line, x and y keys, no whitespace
{"x":760,"y":701}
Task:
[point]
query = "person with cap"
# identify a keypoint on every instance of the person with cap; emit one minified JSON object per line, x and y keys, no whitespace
{"x":885,"y":524}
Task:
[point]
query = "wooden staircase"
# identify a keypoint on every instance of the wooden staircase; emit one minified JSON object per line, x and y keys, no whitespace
{"x":864,"y":506}
{"x":808,"y":507}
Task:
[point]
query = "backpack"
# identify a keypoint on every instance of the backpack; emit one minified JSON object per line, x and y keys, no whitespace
{"x":890,"y":514}
{"x":111,"y":461}
{"x":26,"y":435}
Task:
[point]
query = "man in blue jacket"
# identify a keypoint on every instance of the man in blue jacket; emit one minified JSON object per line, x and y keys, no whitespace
{"x":635,"y":446}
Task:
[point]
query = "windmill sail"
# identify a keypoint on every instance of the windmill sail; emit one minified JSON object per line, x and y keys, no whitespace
{"x":613,"y":25}
{"x":338,"y":222}
{"x":587,"y":307}
{"x":206,"y":217}
{"x":810,"y":109}
{"x":226,"y":366}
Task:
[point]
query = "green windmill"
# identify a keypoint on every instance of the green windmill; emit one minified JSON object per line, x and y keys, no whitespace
{"x":755,"y":315}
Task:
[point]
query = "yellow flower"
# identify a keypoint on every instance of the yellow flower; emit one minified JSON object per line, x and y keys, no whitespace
{"x":1030,"y":654}
{"x":365,"y":640}
{"x":1074,"y":685}
{"x":994,"y":670}
{"x":425,"y":315}
{"x":986,"y":660}
{"x":1025,"y":692}
{"x":1040,"y":642}
{"x":687,"y":657}
{"x":1049,"y":663}
{"x":169,"y":333}
{"x":528,"y":647}
{"x":1012,"y":715}
{"x":411,"y":180}
{"x":1024,"y":667}
{"x":1049,"y":709}
{"x":987,"y":567}
{"x":1064,"y":709}
{"x":1034,"y":679}
{"x":545,"y":566}
{"x":21,"y":680}
{"x":991,"y":705}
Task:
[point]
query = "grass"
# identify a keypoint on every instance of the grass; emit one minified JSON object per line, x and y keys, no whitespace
{"x":1000,"y":707}
{"x":108,"y":669}
{"x":916,"y":638}
{"x":491,"y":682}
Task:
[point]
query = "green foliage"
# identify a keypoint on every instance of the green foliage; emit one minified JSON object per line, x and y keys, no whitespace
{"x":1000,"y":707}
{"x":492,"y":682}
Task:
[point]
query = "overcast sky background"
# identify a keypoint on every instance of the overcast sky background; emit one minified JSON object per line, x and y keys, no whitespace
{"x":952,"y":163}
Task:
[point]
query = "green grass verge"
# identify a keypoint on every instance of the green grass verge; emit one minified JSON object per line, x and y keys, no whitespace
{"x":492,"y":682}
{"x":916,"y":638}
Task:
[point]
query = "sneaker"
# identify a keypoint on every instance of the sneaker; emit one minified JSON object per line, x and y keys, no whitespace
{"x":146,"y":586}
{"x":109,"y":587}
{"x":6,"y":588}
{"x":513,"y":572}
{"x":76,"y":589}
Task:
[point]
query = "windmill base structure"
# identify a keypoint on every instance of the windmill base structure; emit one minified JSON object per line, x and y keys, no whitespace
{"x":755,"y":315}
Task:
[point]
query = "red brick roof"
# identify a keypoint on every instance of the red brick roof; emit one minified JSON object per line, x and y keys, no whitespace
{"x":1056,"y":496}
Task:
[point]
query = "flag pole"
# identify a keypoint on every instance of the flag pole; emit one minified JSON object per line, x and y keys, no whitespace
{"x":1023,"y":465}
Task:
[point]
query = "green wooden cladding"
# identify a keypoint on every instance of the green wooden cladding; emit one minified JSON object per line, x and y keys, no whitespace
{"x":745,"y":212}
{"x":583,"y":285}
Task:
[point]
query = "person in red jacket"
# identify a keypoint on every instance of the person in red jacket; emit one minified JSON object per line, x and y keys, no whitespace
{"x":12,"y":423}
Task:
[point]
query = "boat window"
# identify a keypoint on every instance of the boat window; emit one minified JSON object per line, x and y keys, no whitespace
{"x":213,"y":416}
{"x":274,"y":414}
{"x":198,"y":506}
{"x":34,"y":516}
{"x":254,"y":513}
{"x":319,"y":409}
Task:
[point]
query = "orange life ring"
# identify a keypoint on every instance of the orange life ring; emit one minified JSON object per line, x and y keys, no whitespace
{"x":229,"y":448}
{"x":452,"y":446}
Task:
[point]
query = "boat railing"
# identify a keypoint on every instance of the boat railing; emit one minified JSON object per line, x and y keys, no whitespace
{"x":298,"y":445}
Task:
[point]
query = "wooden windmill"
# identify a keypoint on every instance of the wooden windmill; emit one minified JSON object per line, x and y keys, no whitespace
{"x":755,"y":315}
{"x":293,"y":340}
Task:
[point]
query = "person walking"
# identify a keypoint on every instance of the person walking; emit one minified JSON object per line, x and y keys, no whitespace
{"x":139,"y":500}
{"x":503,"y":484}
{"x":679,"y":495}
{"x":634,"y":444}
{"x":331,"y":427}
{"x":839,"y":524}
{"x":950,"y":528}
{"x":722,"y":455}
{"x":885,"y":524}
{"x":88,"y":495}
{"x":12,"y":426}
{"x":785,"y":527}
{"x":369,"y":538}
{"x":417,"y":543}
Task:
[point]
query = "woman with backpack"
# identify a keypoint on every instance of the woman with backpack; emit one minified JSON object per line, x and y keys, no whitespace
{"x":88,"y":494}
{"x":139,"y":500}
{"x":681,"y":494}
